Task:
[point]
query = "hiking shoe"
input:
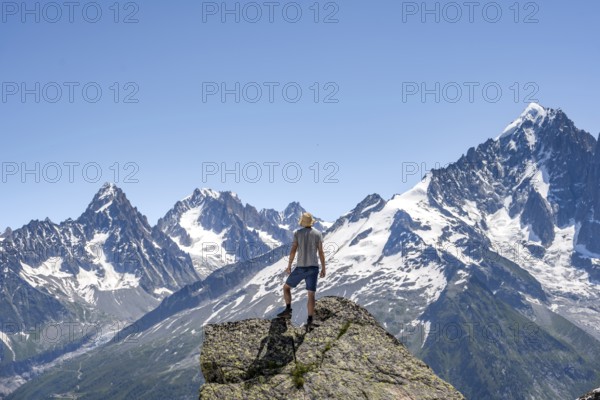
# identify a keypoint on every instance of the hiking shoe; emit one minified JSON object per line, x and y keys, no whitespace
{"x":310,"y":325}
{"x":287,"y":313}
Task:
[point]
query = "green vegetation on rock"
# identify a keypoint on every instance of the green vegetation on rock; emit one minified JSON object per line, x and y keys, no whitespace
{"x":346,"y":355}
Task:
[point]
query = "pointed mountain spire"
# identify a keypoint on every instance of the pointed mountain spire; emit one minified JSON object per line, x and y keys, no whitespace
{"x":534,"y":114}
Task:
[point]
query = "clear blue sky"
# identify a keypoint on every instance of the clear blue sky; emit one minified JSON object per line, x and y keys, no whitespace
{"x":370,"y":56}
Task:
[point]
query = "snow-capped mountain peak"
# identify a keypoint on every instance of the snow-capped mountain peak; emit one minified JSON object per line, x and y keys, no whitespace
{"x":497,"y":253}
{"x":109,"y":196}
{"x":533,"y":115}
{"x":108,"y":189}
{"x":109,"y":247}
{"x":216,"y":228}
{"x":490,"y":238}
{"x":207,"y":192}
{"x":292,"y":209}
{"x":201,"y":194}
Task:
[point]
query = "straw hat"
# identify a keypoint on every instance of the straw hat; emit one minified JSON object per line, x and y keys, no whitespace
{"x":306,"y":220}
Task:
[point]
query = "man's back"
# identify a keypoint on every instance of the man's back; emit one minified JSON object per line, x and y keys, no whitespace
{"x":308,"y":244}
{"x":308,"y":240}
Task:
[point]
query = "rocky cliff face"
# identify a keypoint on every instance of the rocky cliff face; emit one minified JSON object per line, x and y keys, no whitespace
{"x":593,"y":395}
{"x":347,"y":355}
{"x":216,"y":228}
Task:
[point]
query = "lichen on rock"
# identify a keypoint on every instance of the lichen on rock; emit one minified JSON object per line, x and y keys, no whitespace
{"x":347,"y":355}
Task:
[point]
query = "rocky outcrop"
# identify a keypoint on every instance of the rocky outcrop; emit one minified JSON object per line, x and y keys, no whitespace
{"x":346,"y":355}
{"x":590,"y":206}
{"x":538,"y":215}
{"x":593,"y":395}
{"x":370,"y":204}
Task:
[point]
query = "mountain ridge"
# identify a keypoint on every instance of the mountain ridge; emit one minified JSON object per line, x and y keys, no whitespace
{"x":475,"y":247}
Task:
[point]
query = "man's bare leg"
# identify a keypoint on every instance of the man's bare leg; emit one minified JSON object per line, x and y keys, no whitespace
{"x":287,"y":294}
{"x":311,"y":303}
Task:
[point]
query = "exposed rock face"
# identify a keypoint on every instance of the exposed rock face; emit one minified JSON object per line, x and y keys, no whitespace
{"x":539,"y":215}
{"x":109,"y":260}
{"x":347,"y":355}
{"x":216,"y":228}
{"x":593,"y":395}
{"x":590,"y":228}
{"x":370,"y":204}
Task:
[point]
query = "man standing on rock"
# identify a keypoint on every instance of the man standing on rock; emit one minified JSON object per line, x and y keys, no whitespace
{"x":308,"y":241}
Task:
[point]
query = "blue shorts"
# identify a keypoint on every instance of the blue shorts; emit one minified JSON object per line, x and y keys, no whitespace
{"x":308,"y":274}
